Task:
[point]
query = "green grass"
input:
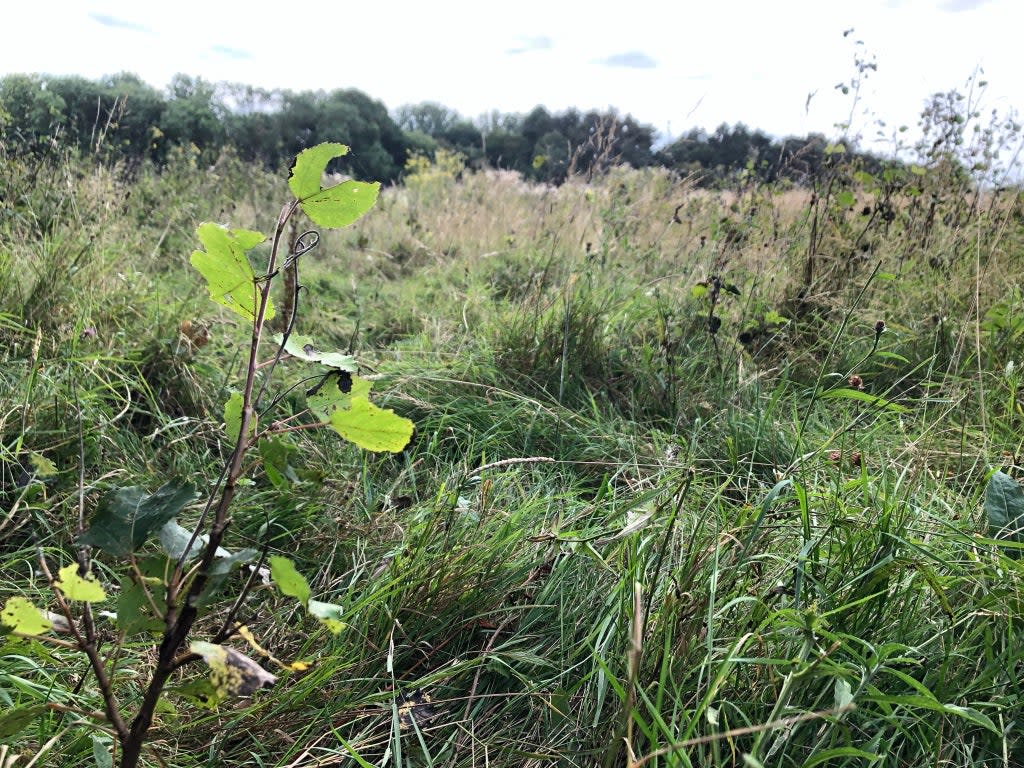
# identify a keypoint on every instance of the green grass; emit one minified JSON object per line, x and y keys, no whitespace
{"x":709,"y":548}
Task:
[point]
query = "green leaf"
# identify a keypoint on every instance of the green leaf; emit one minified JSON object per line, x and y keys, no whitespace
{"x":336,"y":392}
{"x":22,"y":616}
{"x":336,"y":206}
{"x":856,"y":394}
{"x":845,"y":199}
{"x":342,"y":204}
{"x":304,"y":348}
{"x":1004,"y":506}
{"x":84,"y":589}
{"x":309,"y":168}
{"x":276,"y":453}
{"x":327,"y":614}
{"x":232,"y":673}
{"x":699,"y":291}
{"x":126,"y":516}
{"x":41,"y":466}
{"x":101,"y":752}
{"x":233,"y":415}
{"x":288,"y":580}
{"x":372,"y":428}
{"x":136,"y":613}
{"x":13,"y":721}
{"x":227,"y":270}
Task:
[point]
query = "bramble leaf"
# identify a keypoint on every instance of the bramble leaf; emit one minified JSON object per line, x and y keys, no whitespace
{"x":86,"y":589}
{"x":288,"y":580}
{"x":370,"y":427}
{"x":20,"y":615}
{"x":126,"y":516}
{"x":227,"y":270}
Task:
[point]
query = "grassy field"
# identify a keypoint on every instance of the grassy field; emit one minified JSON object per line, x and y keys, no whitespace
{"x":698,"y":477}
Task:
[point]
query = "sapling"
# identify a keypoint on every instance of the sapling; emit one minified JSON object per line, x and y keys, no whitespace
{"x":164,"y":590}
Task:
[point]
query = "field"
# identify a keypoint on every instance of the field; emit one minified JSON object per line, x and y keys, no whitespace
{"x":698,"y":478}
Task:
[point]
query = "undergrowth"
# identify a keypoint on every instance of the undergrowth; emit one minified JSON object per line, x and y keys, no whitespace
{"x":682,"y":491}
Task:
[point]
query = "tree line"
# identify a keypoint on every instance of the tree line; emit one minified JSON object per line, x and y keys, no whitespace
{"x":123,"y":118}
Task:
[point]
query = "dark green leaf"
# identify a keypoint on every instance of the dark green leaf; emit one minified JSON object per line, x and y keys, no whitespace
{"x":1004,"y":506}
{"x":126,"y":516}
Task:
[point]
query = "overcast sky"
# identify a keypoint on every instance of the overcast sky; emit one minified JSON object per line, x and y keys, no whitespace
{"x":674,"y":64}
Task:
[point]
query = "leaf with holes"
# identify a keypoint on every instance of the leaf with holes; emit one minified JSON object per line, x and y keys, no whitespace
{"x":372,"y":428}
{"x":336,"y":206}
{"x":85,"y":589}
{"x":20,"y":615}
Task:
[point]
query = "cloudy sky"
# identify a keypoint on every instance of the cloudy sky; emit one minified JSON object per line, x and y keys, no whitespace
{"x":674,"y":64}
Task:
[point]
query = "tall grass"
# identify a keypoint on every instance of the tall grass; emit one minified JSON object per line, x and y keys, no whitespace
{"x":618,"y":538}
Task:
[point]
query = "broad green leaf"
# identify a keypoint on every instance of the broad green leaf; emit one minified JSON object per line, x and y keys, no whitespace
{"x":1004,"y":506}
{"x":227,"y":270}
{"x":327,"y":614}
{"x":22,"y":616}
{"x":336,"y":206}
{"x":13,"y":721}
{"x":232,"y":673}
{"x":342,"y":204}
{"x":198,"y":693}
{"x":845,"y":198}
{"x":276,"y":453}
{"x":289,"y":580}
{"x":699,"y":291}
{"x":86,"y":589}
{"x":336,"y":392}
{"x":370,"y":427}
{"x":233,"y":415}
{"x":309,"y":168}
{"x":856,"y":394}
{"x":135,"y":611}
{"x":126,"y":516}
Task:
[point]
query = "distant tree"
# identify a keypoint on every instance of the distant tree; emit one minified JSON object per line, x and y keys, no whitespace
{"x":34,"y":113}
{"x":194,"y":114}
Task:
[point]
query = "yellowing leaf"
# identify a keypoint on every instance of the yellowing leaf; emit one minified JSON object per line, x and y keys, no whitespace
{"x":232,"y":673}
{"x":86,"y":589}
{"x":227,"y":270}
{"x":372,"y":428}
{"x":327,"y":614}
{"x":20,"y":615}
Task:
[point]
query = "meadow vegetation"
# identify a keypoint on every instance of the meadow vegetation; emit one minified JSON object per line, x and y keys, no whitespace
{"x":699,"y":477}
